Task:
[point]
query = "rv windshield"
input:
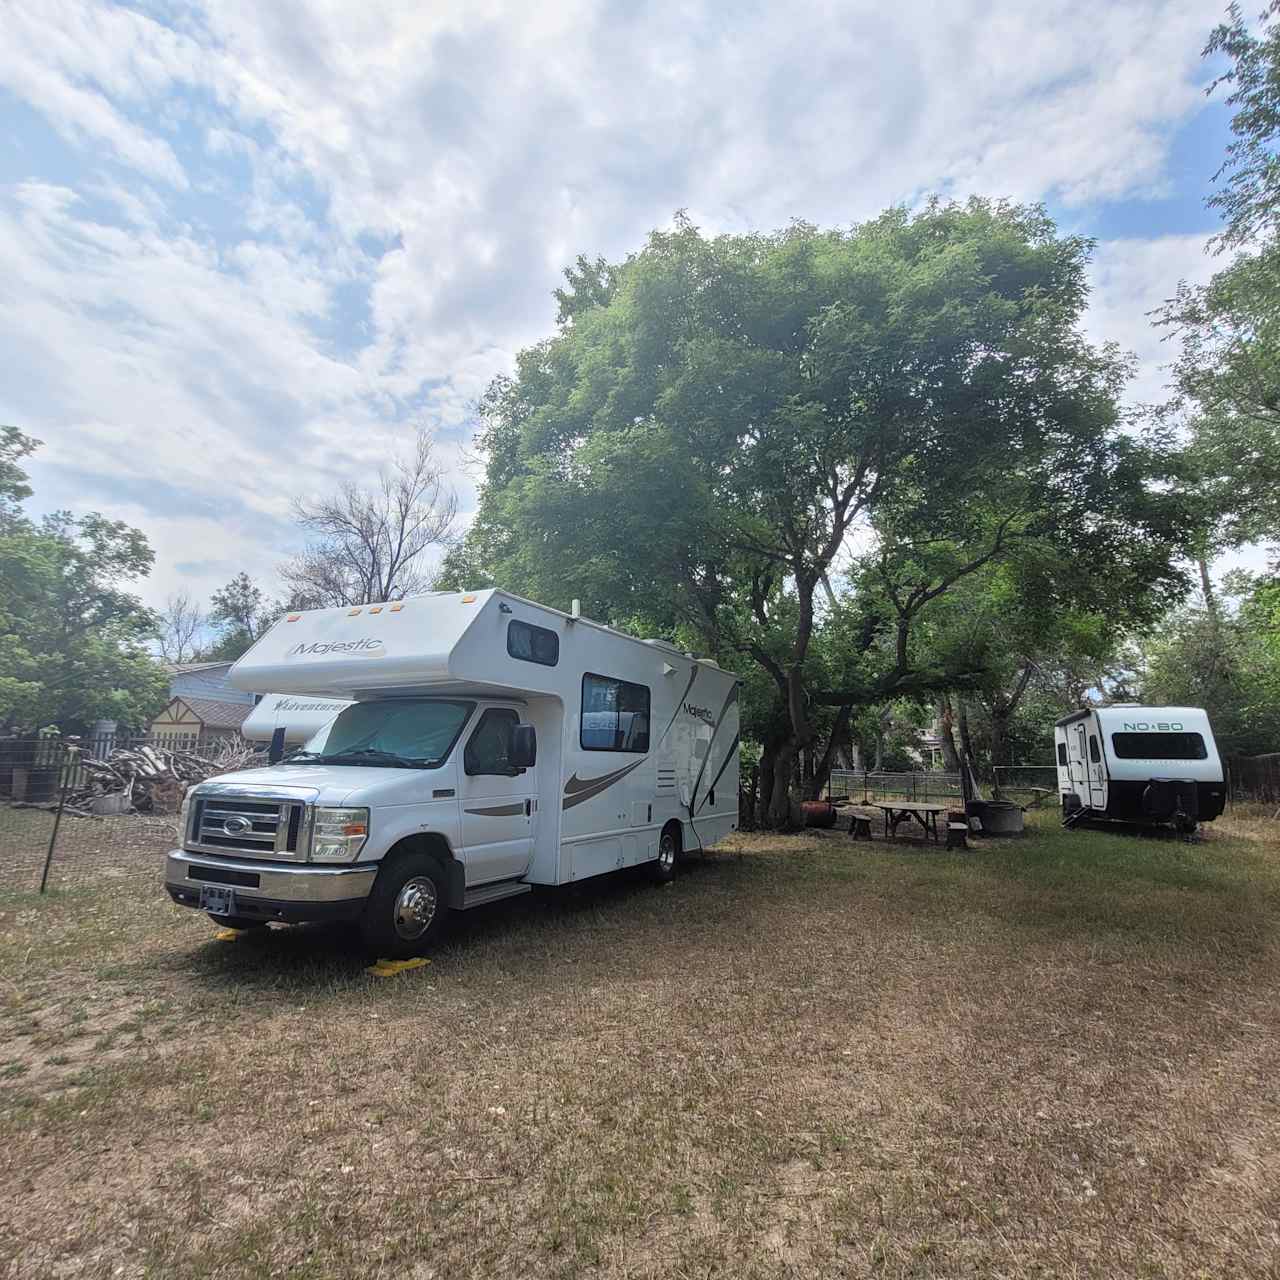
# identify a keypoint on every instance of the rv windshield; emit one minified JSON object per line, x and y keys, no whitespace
{"x":395,"y":733}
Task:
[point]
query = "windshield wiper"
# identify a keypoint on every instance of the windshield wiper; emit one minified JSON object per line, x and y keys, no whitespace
{"x":294,"y":756}
{"x":372,"y":753}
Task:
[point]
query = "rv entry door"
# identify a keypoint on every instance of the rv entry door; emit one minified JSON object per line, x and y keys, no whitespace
{"x":499,"y":802}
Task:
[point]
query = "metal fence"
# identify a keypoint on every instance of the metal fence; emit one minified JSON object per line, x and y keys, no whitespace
{"x":1026,"y":784}
{"x":869,"y":785}
{"x":50,"y":836}
{"x":1032,"y":784}
{"x":1254,"y":778}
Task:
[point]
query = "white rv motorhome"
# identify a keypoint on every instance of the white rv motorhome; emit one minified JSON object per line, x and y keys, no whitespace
{"x":1142,"y":765}
{"x":300,"y":718}
{"x":491,"y":744}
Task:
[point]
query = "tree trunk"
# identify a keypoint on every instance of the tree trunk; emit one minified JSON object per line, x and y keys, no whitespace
{"x":764,"y":785}
{"x":778,"y":817}
{"x":1000,"y":714}
{"x":822,"y":766}
{"x":966,"y":742}
{"x":946,"y":733}
{"x":1206,"y":586}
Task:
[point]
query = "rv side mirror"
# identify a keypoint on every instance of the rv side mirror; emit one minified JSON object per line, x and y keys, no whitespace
{"x":276,"y":750}
{"x":524,"y":747}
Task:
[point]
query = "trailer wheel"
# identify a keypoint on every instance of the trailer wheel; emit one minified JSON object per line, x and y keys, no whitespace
{"x":406,"y":911}
{"x":663,"y":868}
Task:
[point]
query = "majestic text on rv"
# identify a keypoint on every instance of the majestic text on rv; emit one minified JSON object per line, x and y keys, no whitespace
{"x":491,"y":744}
{"x":1145,"y":765}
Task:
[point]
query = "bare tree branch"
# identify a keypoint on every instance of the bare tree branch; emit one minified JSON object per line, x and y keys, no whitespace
{"x":369,"y":545}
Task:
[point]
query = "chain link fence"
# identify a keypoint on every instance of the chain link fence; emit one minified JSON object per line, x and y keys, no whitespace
{"x":55,"y":834}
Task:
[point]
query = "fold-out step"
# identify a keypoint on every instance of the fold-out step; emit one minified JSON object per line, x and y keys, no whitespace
{"x":494,"y":892}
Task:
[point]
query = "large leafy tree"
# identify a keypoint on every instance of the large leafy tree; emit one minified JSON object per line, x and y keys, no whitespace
{"x":1226,"y":659}
{"x":767,"y":438}
{"x":1228,"y":373}
{"x":72,"y":635}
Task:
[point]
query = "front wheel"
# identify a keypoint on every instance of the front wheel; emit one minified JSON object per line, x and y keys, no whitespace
{"x":406,"y":911}
{"x":663,"y":869}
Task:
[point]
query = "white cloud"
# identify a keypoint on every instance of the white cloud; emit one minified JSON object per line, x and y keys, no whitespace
{"x":1132,"y":278}
{"x":300,"y":226}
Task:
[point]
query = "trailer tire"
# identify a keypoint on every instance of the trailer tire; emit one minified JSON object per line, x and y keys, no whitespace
{"x":663,"y":868}
{"x":406,"y":911}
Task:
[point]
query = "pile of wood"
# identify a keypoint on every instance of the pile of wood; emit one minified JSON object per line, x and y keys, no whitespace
{"x":146,"y":779}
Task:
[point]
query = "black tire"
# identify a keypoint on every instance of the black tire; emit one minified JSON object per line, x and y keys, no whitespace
{"x":406,"y":911}
{"x":236,"y":922}
{"x":663,"y":867}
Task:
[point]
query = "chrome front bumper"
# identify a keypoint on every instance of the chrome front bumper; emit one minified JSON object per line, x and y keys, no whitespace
{"x":300,"y":892}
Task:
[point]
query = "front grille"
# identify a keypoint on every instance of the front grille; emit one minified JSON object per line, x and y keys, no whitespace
{"x":247,"y":825}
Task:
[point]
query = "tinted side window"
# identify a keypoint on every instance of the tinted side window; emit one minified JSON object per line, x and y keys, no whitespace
{"x":615,"y":715}
{"x":532,"y":644}
{"x":1158,"y":746}
{"x":1094,"y":754}
{"x":489,"y":747}
{"x":1062,"y":753}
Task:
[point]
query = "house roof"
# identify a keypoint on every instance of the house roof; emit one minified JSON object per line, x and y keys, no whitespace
{"x":216,"y":715}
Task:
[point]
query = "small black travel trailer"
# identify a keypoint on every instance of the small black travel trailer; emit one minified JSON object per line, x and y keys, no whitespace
{"x":1147,"y":766}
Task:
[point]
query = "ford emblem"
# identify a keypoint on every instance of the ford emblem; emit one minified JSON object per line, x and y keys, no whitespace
{"x":237,"y":825}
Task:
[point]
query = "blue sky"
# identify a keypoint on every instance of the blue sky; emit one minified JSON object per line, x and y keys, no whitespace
{"x":245,"y":249}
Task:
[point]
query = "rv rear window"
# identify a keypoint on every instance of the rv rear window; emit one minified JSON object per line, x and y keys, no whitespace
{"x":533,"y":644}
{"x":1158,"y":746}
{"x":615,"y":715}
{"x":1062,"y":753}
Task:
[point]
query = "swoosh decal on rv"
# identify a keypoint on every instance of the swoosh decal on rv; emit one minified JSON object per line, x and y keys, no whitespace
{"x":728,"y":758}
{"x":693,"y":675}
{"x":499,"y":811}
{"x":577,"y":790}
{"x":728,"y":702}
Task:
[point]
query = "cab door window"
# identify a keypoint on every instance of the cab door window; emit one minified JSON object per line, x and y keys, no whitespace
{"x":488,"y":750}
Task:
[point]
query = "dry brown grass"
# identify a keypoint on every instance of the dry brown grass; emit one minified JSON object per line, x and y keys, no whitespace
{"x":1051,"y":1057}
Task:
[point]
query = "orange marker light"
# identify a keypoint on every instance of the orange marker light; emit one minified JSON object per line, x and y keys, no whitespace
{"x":468,"y":599}
{"x":351,"y":613}
{"x":395,"y":608}
{"x":377,"y":608}
{"x":293,"y":617}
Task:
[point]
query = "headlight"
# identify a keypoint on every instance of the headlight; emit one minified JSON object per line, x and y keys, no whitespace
{"x":184,"y":814}
{"x":338,"y":834}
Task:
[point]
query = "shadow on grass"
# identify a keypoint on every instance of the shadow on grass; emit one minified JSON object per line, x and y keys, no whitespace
{"x":532,"y":932}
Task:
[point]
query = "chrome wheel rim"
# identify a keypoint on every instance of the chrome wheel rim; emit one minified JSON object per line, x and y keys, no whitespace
{"x":666,"y":853}
{"x":415,"y":908}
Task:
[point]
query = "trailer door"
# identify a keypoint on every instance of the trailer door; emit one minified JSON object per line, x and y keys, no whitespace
{"x":1097,"y":774}
{"x":499,"y":803}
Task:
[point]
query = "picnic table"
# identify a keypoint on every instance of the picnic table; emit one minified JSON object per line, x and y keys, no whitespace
{"x":897,"y":812}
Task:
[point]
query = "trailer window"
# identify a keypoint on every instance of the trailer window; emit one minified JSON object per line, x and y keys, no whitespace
{"x":615,"y":715}
{"x":1062,"y":753}
{"x":1094,"y":754}
{"x":533,"y":644}
{"x":1158,"y":746}
{"x":488,"y":749}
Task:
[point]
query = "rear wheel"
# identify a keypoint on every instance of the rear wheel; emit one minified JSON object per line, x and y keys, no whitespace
{"x":663,"y":869}
{"x":406,"y":911}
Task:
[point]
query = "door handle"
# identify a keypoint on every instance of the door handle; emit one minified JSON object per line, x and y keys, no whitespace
{"x":528,"y":808}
